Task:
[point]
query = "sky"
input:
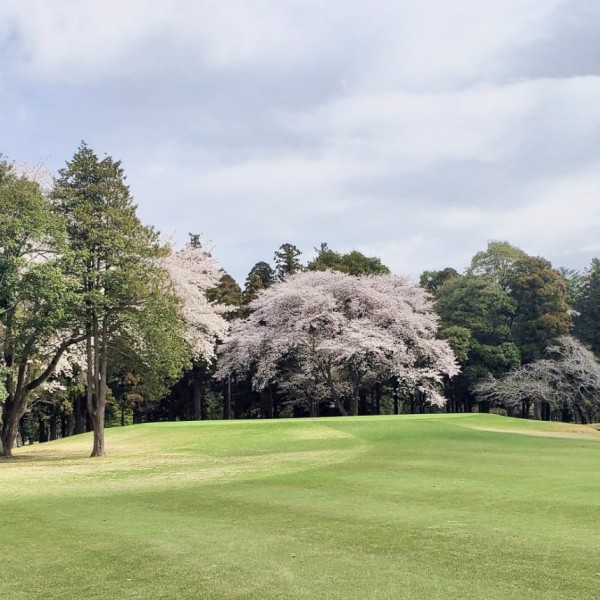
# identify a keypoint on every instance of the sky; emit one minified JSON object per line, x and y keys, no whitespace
{"x":412,"y":131}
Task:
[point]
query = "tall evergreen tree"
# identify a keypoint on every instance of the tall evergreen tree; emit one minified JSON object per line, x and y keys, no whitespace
{"x":261,"y":277}
{"x":286,"y":261}
{"x":115,"y":263}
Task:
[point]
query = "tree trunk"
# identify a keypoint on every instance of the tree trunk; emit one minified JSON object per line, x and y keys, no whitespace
{"x":98,"y":427}
{"x":13,"y":411}
{"x":484,"y":406}
{"x":79,"y":416}
{"x":196,"y":400}
{"x":53,"y":428}
{"x":378,"y":398}
{"x":362,"y":403}
{"x":97,"y":358}
{"x":227,"y":399}
{"x":267,"y":403}
{"x":334,"y":395}
{"x":42,"y":431}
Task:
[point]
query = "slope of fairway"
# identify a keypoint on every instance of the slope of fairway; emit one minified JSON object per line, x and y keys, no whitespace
{"x":436,"y":506}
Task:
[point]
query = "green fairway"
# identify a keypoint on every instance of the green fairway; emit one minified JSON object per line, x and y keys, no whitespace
{"x":460,"y":506}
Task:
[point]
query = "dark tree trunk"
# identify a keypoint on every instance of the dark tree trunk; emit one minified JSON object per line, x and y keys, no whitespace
{"x":545,"y":411}
{"x":354,"y":404}
{"x":378,"y":398}
{"x":484,"y":406}
{"x":53,"y":428}
{"x":80,"y":416}
{"x":13,"y":411}
{"x":267,"y":403}
{"x":64,"y":424}
{"x":566,"y":415}
{"x":227,"y":399}
{"x":42,"y":431}
{"x":197,"y":398}
{"x":97,"y":353}
{"x":395,"y":395}
{"x":362,"y":403}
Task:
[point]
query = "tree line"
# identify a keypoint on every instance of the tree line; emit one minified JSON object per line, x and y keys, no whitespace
{"x":103,"y":322}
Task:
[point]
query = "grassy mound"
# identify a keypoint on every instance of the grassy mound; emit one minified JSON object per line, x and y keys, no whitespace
{"x":437,"y":506}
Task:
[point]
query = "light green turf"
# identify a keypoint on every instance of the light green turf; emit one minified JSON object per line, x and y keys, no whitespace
{"x":462,"y":507}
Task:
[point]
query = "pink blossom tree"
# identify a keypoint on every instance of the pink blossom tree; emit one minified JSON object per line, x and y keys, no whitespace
{"x":341,"y":331}
{"x":193,"y":271}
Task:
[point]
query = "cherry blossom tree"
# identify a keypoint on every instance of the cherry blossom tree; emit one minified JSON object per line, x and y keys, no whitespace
{"x":566,"y":382}
{"x":193,"y":271}
{"x":343,"y":330}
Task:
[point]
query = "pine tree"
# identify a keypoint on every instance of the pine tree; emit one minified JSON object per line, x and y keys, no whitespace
{"x":115,"y":260}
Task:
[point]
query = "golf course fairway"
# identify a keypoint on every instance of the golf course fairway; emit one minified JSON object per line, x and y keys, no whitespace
{"x":465,"y":506}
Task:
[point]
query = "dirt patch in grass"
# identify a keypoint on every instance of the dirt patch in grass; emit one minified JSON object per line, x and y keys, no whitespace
{"x":566,"y":431}
{"x":320,"y":433}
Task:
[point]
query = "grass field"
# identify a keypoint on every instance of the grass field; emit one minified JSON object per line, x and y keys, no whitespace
{"x":450,"y":507}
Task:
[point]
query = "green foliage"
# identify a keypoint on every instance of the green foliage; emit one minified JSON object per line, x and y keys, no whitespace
{"x":261,"y":277}
{"x":353,"y":263}
{"x":460,"y":340}
{"x":286,"y":261}
{"x":496,"y":262}
{"x":227,"y":291}
{"x":575,"y":281}
{"x":433,"y":281}
{"x":542,"y":315}
{"x":586,"y":325}
{"x":126,"y":297}
{"x":37,"y":295}
{"x":480,"y":307}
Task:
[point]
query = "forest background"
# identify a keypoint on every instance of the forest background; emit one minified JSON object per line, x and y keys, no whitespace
{"x":104,"y":323}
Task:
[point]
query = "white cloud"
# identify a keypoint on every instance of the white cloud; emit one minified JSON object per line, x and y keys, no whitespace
{"x":401,"y":128}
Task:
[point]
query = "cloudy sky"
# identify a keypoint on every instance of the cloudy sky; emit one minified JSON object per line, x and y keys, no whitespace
{"x":415,"y":131}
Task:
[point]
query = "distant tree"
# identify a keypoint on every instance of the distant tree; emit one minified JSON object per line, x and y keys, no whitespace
{"x":344,"y":330}
{"x":483,"y":309}
{"x":226,"y":292}
{"x":566,"y":382}
{"x":261,"y":277}
{"x":286,"y":261}
{"x":204,"y":292}
{"x":460,"y":340}
{"x":496,"y":263}
{"x":586,"y":324}
{"x":542,"y":314}
{"x":433,"y":281}
{"x":353,"y":263}
{"x":193,"y":271}
{"x":575,"y":281}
